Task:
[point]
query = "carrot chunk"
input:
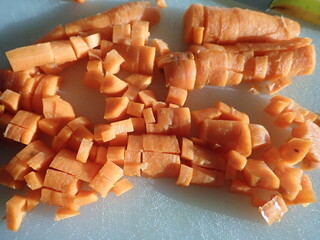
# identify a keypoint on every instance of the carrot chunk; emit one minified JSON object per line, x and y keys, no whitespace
{"x":132,"y":162}
{"x":51,"y":126}
{"x":122,"y":186}
{"x":112,"y":85}
{"x":58,"y":199}
{"x":112,"y":62}
{"x":236,"y":160}
{"x":102,"y":185}
{"x":7,"y":180}
{"x":123,"y":126}
{"x":230,"y":113}
{"x":185,"y":175}
{"x":58,"y":33}
{"x":63,"y":213}
{"x":84,"y":150}
{"x":17,"y":169}
{"x":259,"y":136}
{"x":55,"y":107}
{"x":187,"y":151}
{"x":140,"y":81}
{"x":10,"y":100}
{"x":79,"y":46}
{"x":93,"y":40}
{"x":116,"y":108}
{"x":116,"y":154}
{"x":33,"y":199}
{"x":177,"y":96}
{"x":85,"y":197}
{"x":161,"y":143}
{"x":207,"y":177}
{"x":198,"y":116}
{"x":273,"y":210}
{"x":135,"y":109}
{"x":161,"y":46}
{"x":295,"y":150}
{"x":34,"y":180}
{"x":121,"y":34}
{"x":148,"y":115}
{"x":16,"y":209}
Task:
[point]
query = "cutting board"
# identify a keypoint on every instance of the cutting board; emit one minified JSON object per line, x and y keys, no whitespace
{"x":154,"y":208}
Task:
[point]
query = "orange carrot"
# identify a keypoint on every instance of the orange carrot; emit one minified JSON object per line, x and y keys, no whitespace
{"x":239,"y":186}
{"x":16,"y":209}
{"x":147,"y":97}
{"x":185,"y":175}
{"x":278,"y":84}
{"x":111,"y":171}
{"x":177,"y":96}
{"x":95,"y":65}
{"x":295,"y":150}
{"x":132,"y":162}
{"x":79,"y":46}
{"x":131,"y":93}
{"x":161,"y":143}
{"x":10,"y":100}
{"x":112,"y":61}
{"x":187,"y":149}
{"x":112,"y":85}
{"x":107,"y":133}
{"x":85,"y":197}
{"x":63,"y":213}
{"x":84,"y":150}
{"x":61,"y":140}
{"x":139,"y":125}
{"x":161,"y":46}
{"x":230,"y":113}
{"x":51,"y":126}
{"x":148,"y":115}
{"x":116,"y":108}
{"x":140,"y":33}
{"x":273,"y":210}
{"x":34,"y":180}
{"x":135,"y":109}
{"x":139,"y":80}
{"x":122,"y":186}
{"x":121,"y":34}
{"x":123,"y":126}
{"x":236,"y":160}
{"x":7,"y":180}
{"x":77,"y":136}
{"x":208,"y":158}
{"x":102,"y":185}
{"x":62,"y":52}
{"x":55,"y":107}
{"x":259,"y":136}
{"x":119,"y":140}
{"x":58,"y":199}
{"x":30,"y":56}
{"x":101,"y":156}
{"x":206,"y":113}
{"x":116,"y":155}
{"x":33,"y":199}
{"x":198,"y":33}
{"x":93,"y":40}
{"x":95,"y":54}
{"x":207,"y":177}
{"x":17,"y":169}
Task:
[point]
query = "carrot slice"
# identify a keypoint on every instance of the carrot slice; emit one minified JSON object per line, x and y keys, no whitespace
{"x":123,"y":126}
{"x":17,"y":169}
{"x":34,"y":180}
{"x":230,"y":113}
{"x":135,"y":109}
{"x":107,"y":133}
{"x":122,"y":186}
{"x":187,"y":150}
{"x":62,"y":52}
{"x":273,"y":210}
{"x":207,"y":177}
{"x":259,"y":136}
{"x":147,"y":97}
{"x":121,"y":34}
{"x":84,"y":150}
{"x":101,"y":156}
{"x":95,"y":65}
{"x":161,"y":143}
{"x":93,"y":40}
{"x":85,"y":197}
{"x":33,"y":199}
{"x":112,"y":62}
{"x":236,"y":160}
{"x":30,"y":56}
{"x":271,"y":156}
{"x":16,"y":209}
{"x":112,"y":85}
{"x":51,"y":126}
{"x":10,"y":100}
{"x":79,"y":46}
{"x":148,"y":115}
{"x":140,"y":33}
{"x":198,"y":116}
{"x":116,"y":108}
{"x":7,"y":180}
{"x":185,"y":176}
{"x":162,"y":48}
{"x":58,"y":199}
{"x":119,"y":140}
{"x":132,"y":162}
{"x":111,"y":171}
{"x":102,"y":185}
{"x":140,"y":81}
{"x":295,"y":150}
{"x":55,"y":107}
{"x":177,"y":96}
{"x":139,"y":125}
{"x":116,"y":154}
{"x":63,"y":213}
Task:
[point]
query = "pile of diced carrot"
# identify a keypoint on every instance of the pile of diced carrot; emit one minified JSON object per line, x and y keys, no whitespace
{"x":143,"y":136}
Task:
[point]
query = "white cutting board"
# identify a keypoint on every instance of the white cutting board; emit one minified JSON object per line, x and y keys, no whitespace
{"x":154,"y":209}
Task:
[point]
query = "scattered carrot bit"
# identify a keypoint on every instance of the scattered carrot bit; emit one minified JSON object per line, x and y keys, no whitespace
{"x":273,"y":210}
{"x":122,"y":186}
{"x":16,"y":209}
{"x":63,"y":213}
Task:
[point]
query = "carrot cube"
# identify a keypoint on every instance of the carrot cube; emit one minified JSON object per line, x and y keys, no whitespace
{"x":16,"y":209}
{"x":79,"y":46}
{"x":187,"y":149}
{"x":140,"y":81}
{"x":93,"y":40}
{"x":198,"y":116}
{"x":26,"y":120}
{"x":185,"y":175}
{"x":34,"y":180}
{"x":63,"y":213}
{"x":135,"y":109}
{"x":85,"y":197}
{"x":112,"y":62}
{"x":116,"y":154}
{"x":176,"y":96}
{"x":161,"y":46}
{"x":112,"y":85}
{"x":135,"y":143}
{"x":119,"y":140}
{"x":95,"y":65}
{"x":236,"y":160}
{"x":7,"y":180}
{"x":132,"y":163}
{"x":33,"y":199}
{"x":17,"y":169}
{"x":122,"y":186}
{"x":84,"y":150}
{"x":273,"y":210}
{"x":108,"y":133}
{"x":102,"y":185}
{"x":147,"y":97}
{"x":161,"y":143}
{"x":207,"y":177}
{"x":140,"y":33}
{"x":121,"y":34}
{"x":10,"y":100}
{"x":101,"y":157}
{"x":51,"y":126}
{"x":123,"y":126}
{"x":58,"y":199}
{"x":139,"y":125}
{"x":116,"y":108}
{"x":148,"y":115}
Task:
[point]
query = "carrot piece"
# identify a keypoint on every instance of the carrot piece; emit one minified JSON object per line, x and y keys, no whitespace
{"x":26,"y":120}
{"x":105,"y":46}
{"x":61,"y":140}
{"x":160,"y":164}
{"x":111,"y":171}
{"x":78,"y":122}
{"x":260,"y":68}
{"x":93,"y":78}
{"x":108,"y":133}
{"x":148,"y":115}
{"x":16,"y":209}
{"x":185,"y":175}
{"x":102,"y":185}
{"x":116,"y":108}
{"x":65,"y":161}
{"x":236,"y":160}
{"x":93,"y":40}
{"x":135,"y":109}
{"x":58,"y":33}
{"x":51,"y":126}
{"x":276,"y":107}
{"x":122,"y":186}
{"x":146,"y":59}
{"x":58,"y":199}
{"x":271,"y":156}
{"x":10,"y":100}
{"x":273,"y":210}
{"x":19,"y":134}
{"x":161,"y":143}
{"x":27,"y":92}
{"x":198,"y":116}
{"x":304,"y":60}
{"x":30,"y":56}
{"x":259,"y":136}
{"x":147,"y":97}
{"x":239,"y":186}
{"x":112,"y":85}
{"x":84,"y":150}
{"x":285,"y":119}
{"x":55,"y":107}
{"x":113,"y":61}
{"x":140,"y":81}
{"x":227,"y":135}
{"x":37,"y":155}
{"x":132,"y":162}
{"x":95,"y":65}
{"x":34,"y":180}
{"x":208,"y":158}
{"x":7,"y":180}
{"x":62,"y":52}
{"x":101,"y":156}
{"x":161,"y":46}
{"x":121,"y":34}
{"x":140,"y":33}
{"x":193,"y":17}
{"x":198,"y":35}
{"x":295,"y":150}
{"x":278,"y":84}
{"x":176,"y":96}
{"x":116,"y":154}
{"x":17,"y":169}
{"x":135,"y":143}
{"x":33,"y":199}
{"x":85,"y":197}
{"x":207,"y":177}
{"x":123,"y":126}
{"x":61,"y":182}
{"x":95,"y":54}
{"x":257,"y":173}
{"x":77,"y":136}
{"x":63,"y":213}
{"x":79,"y":46}
{"x":139,"y":125}
{"x":230,"y":113}
{"x":187,"y":152}
{"x":119,"y":140}
{"x":131,"y":93}
{"x":290,"y":180}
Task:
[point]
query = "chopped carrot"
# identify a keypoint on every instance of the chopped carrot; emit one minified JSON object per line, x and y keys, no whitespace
{"x":10,"y":100}
{"x":19,"y":134}
{"x":17,"y":169}
{"x":30,"y":56}
{"x":230,"y":113}
{"x":257,"y":173}
{"x":55,"y":107}
{"x":116,"y":154}
{"x":198,"y":35}
{"x":185,"y":175}
{"x":101,"y":157}
{"x":102,"y":185}
{"x":93,"y":78}
{"x":116,"y":108}
{"x":121,"y":34}
{"x":295,"y":150}
{"x":78,"y":122}
{"x":34,"y":180}
{"x":85,"y":197}
{"x":158,"y":104}
{"x":148,"y":115}
{"x":112,"y":85}
{"x":16,"y":209}
{"x":207,"y":177}
{"x":236,"y":160}
{"x":105,"y":46}
{"x":111,"y":171}
{"x":61,"y":140}
{"x":273,"y":210}
{"x":131,"y":93}
{"x":84,"y":150}
{"x":276,"y":107}
{"x":79,"y":46}
{"x":58,"y":199}
{"x":161,"y":46}
{"x":123,"y":126}
{"x":208,"y":158}
{"x":147,"y":97}
{"x":65,"y":161}
{"x":77,"y":136}
{"x":93,"y":40}
{"x":132,"y":162}
{"x":140,"y":33}
{"x":95,"y":54}
{"x":259,"y":136}
{"x":63,"y":213}
{"x":62,"y":52}
{"x":120,"y":140}
{"x":58,"y":33}
{"x":139,"y":125}
{"x":108,"y":133}
{"x":160,"y":164}
{"x":187,"y":149}
{"x":278,"y":84}
{"x":239,"y":186}
{"x":26,"y":120}
{"x":135,"y":143}
{"x":271,"y":156}
{"x":33,"y":199}
{"x":206,"y":113}
{"x":161,"y":143}
{"x":176,"y":96}
{"x":140,"y":81}
{"x":95,"y":65}
{"x":230,"y":172}
{"x":135,"y":109}
{"x":7,"y":180}
{"x":51,"y":126}
{"x":112,"y":62}
{"x":61,"y":182}
{"x":122,"y":186}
